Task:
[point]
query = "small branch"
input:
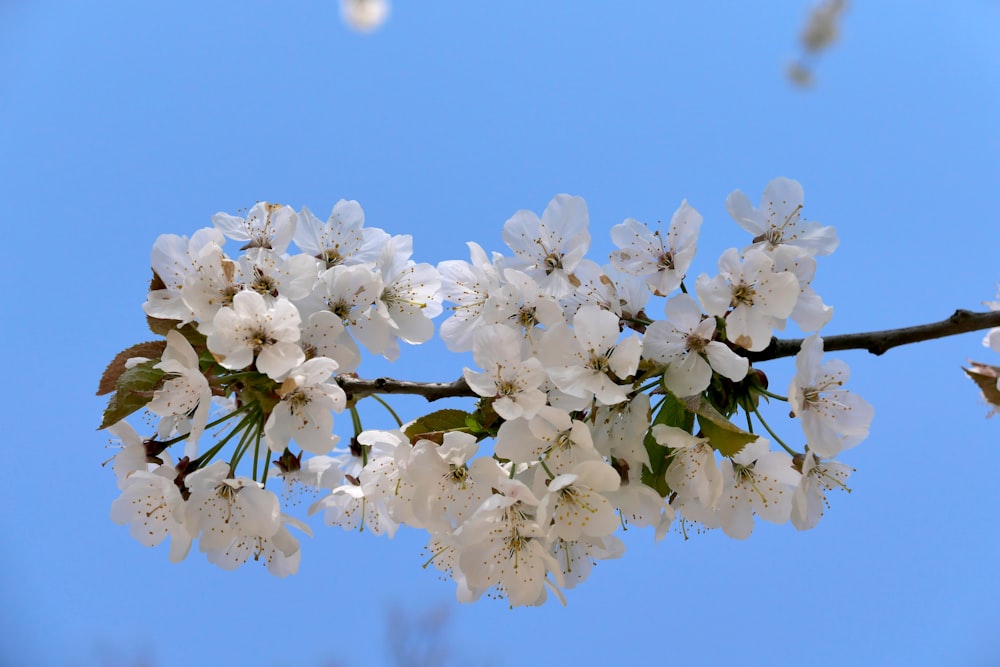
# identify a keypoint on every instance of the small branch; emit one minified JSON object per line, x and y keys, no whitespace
{"x":876,"y":342}
{"x":879,"y":342}
{"x":356,"y":387}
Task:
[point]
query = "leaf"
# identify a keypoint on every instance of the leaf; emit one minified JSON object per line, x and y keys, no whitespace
{"x":985,"y":377}
{"x":726,"y":437}
{"x":134,"y":390}
{"x":672,"y":413}
{"x":109,"y":379}
{"x":437,"y":422}
{"x":160,"y":326}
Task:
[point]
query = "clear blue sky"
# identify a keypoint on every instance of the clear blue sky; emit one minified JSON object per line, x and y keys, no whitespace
{"x":120,"y":121}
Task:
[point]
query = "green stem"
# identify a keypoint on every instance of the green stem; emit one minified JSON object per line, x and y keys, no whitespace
{"x":244,"y":444}
{"x":399,"y":422}
{"x":769,"y":394}
{"x":773,"y":434}
{"x":210,"y":454}
{"x":181,"y":438}
{"x":651,"y":385}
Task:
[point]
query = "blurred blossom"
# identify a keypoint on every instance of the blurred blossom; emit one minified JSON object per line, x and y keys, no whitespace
{"x":821,"y":29}
{"x":364,"y":15}
{"x":822,"y":26}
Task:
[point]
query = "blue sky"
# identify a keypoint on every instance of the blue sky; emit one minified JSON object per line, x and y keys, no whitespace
{"x":121,"y":121}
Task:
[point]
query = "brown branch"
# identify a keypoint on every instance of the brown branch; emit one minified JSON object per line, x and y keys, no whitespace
{"x":879,"y":342}
{"x":876,"y":342}
{"x":356,"y":387}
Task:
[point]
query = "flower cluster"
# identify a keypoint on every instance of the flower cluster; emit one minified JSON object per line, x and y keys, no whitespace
{"x":591,"y":414}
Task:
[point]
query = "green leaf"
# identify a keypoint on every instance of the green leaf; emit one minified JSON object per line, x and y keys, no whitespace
{"x":109,"y":379}
{"x":437,"y":423}
{"x":134,"y":390}
{"x":726,"y":437}
{"x":672,"y":413}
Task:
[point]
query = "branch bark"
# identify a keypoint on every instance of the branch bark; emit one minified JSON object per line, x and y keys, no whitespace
{"x":879,"y":342}
{"x":876,"y":342}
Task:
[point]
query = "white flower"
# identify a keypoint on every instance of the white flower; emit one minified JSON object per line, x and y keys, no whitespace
{"x":250,"y":329}
{"x":513,"y":382}
{"x":756,"y":294}
{"x":350,"y":292}
{"x":270,"y":226}
{"x":409,"y":296}
{"x":582,"y":362}
{"x":576,"y":558}
{"x":684,"y":343}
{"x":271,"y":274}
{"x":521,"y":303}
{"x":222,"y":508}
{"x":693,"y":473}
{"x":153,"y":507}
{"x":132,"y":455}
{"x":810,"y":313}
{"x":551,"y":434}
{"x":185,"y":391}
{"x":347,"y":507}
{"x":468,"y":286}
{"x":619,"y":431}
{"x":778,"y":220}
{"x":550,"y":248}
{"x":382,"y":479}
{"x":364,"y":15}
{"x":175,"y":260}
{"x":641,"y":506}
{"x":662,"y":260}
{"x":575,"y":505}
{"x":756,"y":481}
{"x":280,"y":551}
{"x":324,"y":335}
{"x":342,"y":239}
{"x":809,"y":499}
{"x":833,"y":419}
{"x":501,"y":545}
{"x":445,"y":493}
{"x":303,"y":413}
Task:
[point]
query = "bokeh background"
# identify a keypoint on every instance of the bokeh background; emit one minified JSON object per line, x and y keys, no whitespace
{"x":120,"y":121}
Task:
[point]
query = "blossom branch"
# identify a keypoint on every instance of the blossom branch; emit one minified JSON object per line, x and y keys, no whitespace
{"x":879,"y":342}
{"x":876,"y":342}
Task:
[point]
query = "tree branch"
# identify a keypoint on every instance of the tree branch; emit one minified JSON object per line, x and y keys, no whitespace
{"x":356,"y":387}
{"x":876,"y":342}
{"x":879,"y":342}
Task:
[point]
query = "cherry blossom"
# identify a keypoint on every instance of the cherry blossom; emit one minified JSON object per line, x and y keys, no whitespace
{"x":833,"y":418}
{"x":754,"y":292}
{"x":250,"y":331}
{"x":684,"y":343}
{"x":661,"y":259}
{"x":778,"y":220}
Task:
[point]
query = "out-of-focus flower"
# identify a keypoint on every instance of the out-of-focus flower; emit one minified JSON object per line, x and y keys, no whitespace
{"x":364,"y":15}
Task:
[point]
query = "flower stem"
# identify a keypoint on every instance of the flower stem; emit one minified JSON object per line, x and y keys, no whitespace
{"x":773,"y":434}
{"x":765,"y":392}
{"x":399,"y":422}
